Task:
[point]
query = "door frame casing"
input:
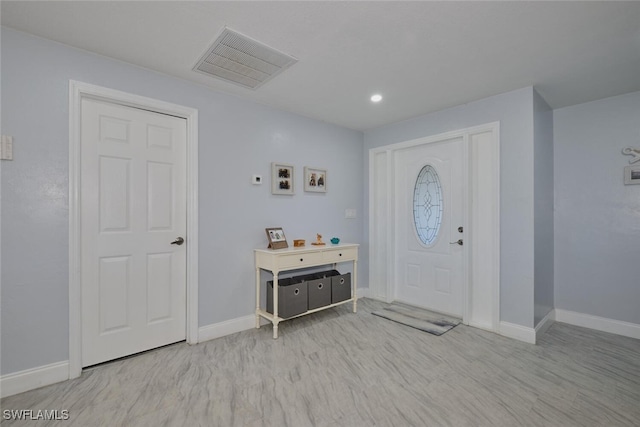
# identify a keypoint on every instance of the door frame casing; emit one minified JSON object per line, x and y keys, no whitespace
{"x":77,"y":92}
{"x":481,"y":176}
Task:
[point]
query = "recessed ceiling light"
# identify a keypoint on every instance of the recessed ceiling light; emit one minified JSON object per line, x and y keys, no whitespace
{"x":376,"y":98}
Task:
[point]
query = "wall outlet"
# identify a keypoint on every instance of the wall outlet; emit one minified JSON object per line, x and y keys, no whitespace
{"x":350,"y":213}
{"x":6,"y":148}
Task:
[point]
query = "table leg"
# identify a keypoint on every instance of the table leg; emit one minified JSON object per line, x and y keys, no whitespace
{"x":354,"y":285}
{"x":276,"y":320}
{"x":257,"y":298}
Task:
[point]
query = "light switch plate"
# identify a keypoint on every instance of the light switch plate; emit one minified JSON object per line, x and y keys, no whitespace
{"x":6,"y":147}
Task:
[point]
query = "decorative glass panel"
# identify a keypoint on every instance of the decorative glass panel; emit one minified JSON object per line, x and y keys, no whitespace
{"x":427,"y":205}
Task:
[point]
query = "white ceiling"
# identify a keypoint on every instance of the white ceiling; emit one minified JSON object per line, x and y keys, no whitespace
{"x":421,"y":56}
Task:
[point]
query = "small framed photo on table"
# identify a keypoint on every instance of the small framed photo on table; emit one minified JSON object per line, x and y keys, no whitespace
{"x":276,"y":238}
{"x":281,"y":179}
{"x":315,"y":180}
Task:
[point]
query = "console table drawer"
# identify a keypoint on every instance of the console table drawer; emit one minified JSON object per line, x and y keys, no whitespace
{"x":339,"y":255}
{"x":300,"y":260}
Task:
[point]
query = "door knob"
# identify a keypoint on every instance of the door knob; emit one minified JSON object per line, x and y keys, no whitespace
{"x":178,"y":241}
{"x":458,"y":242}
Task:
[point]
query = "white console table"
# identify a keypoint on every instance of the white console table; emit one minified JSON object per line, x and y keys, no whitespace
{"x":278,"y":260}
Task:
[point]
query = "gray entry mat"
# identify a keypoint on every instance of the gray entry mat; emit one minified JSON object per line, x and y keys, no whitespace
{"x":424,"y":320}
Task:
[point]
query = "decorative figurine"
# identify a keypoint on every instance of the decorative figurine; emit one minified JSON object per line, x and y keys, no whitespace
{"x":318,"y":241}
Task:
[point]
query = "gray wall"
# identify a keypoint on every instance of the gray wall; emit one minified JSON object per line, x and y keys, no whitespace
{"x":514,"y":111}
{"x":237,"y":139}
{"x":597,"y":217}
{"x":543,"y":207}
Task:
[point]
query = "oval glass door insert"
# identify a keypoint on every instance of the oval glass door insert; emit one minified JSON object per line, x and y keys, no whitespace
{"x":427,"y":205}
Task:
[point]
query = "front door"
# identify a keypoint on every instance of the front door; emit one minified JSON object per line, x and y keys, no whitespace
{"x":429,"y":226}
{"x":133,"y":215}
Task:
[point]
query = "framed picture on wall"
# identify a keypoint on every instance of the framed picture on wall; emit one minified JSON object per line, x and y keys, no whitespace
{"x":632,"y":174}
{"x":315,"y":180}
{"x":281,"y":179}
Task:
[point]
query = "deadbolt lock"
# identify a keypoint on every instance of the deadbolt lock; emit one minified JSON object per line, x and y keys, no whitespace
{"x":460,"y":229}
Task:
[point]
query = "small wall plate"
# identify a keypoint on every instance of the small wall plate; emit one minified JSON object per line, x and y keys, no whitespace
{"x":256,"y":179}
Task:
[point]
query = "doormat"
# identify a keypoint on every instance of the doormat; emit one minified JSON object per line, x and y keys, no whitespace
{"x":427,"y":321}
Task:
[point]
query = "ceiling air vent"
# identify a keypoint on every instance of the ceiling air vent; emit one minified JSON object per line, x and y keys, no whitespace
{"x":243,"y":61}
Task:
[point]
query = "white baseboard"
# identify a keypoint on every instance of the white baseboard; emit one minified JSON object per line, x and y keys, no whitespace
{"x":544,"y":324}
{"x":363,"y":293}
{"x":517,"y":332}
{"x":603,"y":324}
{"x":30,"y":379}
{"x":228,"y":327}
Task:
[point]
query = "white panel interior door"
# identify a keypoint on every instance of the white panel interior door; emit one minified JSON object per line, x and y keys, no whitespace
{"x":429,"y":269}
{"x":133,"y":206}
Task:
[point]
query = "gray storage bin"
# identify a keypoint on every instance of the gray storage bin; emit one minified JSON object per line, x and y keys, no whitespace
{"x":307,"y":277}
{"x":319,"y":291}
{"x":340,"y":288}
{"x":330,"y":273}
{"x":292,"y":297}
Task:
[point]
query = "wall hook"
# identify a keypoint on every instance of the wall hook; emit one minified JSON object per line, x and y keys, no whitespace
{"x":635,"y":152}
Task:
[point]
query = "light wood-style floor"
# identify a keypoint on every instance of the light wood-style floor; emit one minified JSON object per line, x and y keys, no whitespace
{"x":336,"y":368}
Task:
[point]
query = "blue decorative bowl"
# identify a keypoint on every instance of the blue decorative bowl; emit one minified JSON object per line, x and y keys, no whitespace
{"x":335,"y":240}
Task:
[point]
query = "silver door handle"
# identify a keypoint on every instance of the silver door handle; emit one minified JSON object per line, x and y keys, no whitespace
{"x":178,"y":241}
{"x":458,"y":242}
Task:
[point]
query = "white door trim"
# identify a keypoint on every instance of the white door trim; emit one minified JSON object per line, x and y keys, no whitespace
{"x":485,"y":239}
{"x":78,"y":91}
